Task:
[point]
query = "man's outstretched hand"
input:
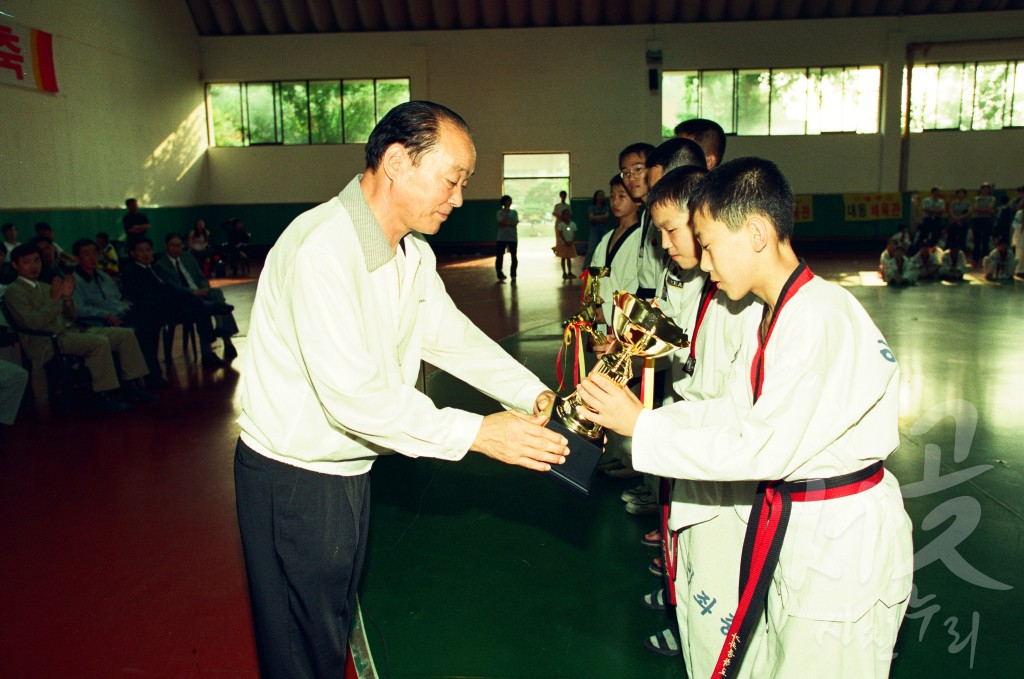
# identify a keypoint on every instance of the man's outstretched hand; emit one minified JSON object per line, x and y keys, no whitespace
{"x":522,"y":440}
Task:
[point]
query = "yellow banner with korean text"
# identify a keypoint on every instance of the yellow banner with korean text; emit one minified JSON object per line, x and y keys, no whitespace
{"x":803,"y":208}
{"x":869,"y":207}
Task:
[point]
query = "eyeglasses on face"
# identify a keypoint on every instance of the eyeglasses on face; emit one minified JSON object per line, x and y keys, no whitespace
{"x":633,"y":172}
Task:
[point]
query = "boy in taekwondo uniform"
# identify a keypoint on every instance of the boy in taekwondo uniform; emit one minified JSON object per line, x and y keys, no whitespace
{"x":810,"y":412}
{"x":705,"y":521}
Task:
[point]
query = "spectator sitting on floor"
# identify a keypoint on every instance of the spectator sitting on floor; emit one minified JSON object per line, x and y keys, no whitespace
{"x":953,"y":264}
{"x":109,"y":260}
{"x":896,"y":267}
{"x":51,"y":308}
{"x":903,"y":237}
{"x":1000,"y":263}
{"x":924,"y":264}
{"x":100,"y":304}
{"x":144,"y":287}
{"x":180,"y":269}
{"x":51,"y":266}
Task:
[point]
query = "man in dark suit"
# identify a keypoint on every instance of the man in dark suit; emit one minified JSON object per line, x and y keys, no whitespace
{"x":179,"y":268}
{"x":142,"y":285}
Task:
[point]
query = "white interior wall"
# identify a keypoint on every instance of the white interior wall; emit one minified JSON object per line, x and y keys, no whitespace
{"x":584,"y":91}
{"x":129,"y":117}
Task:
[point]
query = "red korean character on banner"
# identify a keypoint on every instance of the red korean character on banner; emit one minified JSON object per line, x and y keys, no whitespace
{"x":10,"y":54}
{"x":885,"y":209}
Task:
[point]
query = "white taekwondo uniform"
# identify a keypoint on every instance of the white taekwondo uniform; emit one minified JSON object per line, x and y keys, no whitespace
{"x":621,"y":261}
{"x":827,"y":407}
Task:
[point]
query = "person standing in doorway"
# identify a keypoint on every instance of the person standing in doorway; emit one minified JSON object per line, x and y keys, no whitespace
{"x":508,"y":238}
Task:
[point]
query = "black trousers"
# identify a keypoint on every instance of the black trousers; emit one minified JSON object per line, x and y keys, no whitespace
{"x":304,"y":540}
{"x":499,"y":255}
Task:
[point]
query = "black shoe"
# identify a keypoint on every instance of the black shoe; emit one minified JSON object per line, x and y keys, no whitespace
{"x":156,"y":382}
{"x":105,"y":403}
{"x":133,"y":392}
{"x":212,"y":360}
{"x":220,"y":309}
{"x":501,"y":276}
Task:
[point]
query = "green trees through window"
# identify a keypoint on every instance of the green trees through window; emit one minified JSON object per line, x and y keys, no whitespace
{"x":775,"y":101}
{"x":301,"y":111}
{"x":965,"y":96}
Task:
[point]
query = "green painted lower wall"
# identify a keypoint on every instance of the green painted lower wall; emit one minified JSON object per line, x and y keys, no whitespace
{"x":471,"y":224}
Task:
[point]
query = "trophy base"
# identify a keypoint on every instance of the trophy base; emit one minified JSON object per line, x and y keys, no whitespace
{"x":578,"y":470}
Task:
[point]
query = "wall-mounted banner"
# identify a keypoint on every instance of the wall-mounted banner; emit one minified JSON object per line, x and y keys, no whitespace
{"x":26,"y":57}
{"x":868,"y":207}
{"x":803,"y":208}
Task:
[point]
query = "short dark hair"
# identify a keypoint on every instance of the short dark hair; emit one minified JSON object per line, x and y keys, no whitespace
{"x":677,"y":152}
{"x":504,"y":198}
{"x":415,"y":125}
{"x":23,"y":250}
{"x":34,"y":241}
{"x":642,"y":149}
{"x":676,"y":187}
{"x":140,"y":239}
{"x":171,"y":236}
{"x":129,"y":201}
{"x":7,"y":227}
{"x":77,"y":246}
{"x":103,"y":234}
{"x":617,"y":180}
{"x":43,"y":226}
{"x":735,"y":190}
{"x":707,"y":133}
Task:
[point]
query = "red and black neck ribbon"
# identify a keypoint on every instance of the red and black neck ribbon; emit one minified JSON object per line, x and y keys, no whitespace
{"x":801,"y":275}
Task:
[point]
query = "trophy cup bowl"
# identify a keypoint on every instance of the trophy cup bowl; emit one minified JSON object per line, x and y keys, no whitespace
{"x":642,"y":330}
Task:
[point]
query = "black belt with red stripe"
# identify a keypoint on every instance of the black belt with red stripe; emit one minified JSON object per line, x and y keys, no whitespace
{"x":762,"y":544}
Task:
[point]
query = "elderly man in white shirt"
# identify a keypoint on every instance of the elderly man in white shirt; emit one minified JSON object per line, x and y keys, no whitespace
{"x":348,"y":304}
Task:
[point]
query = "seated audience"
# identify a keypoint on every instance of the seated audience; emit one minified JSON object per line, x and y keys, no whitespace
{"x":199,"y":246}
{"x":237,"y":245}
{"x":144,"y":288}
{"x":64,"y":259}
{"x":10,"y":234}
{"x":109,"y":258}
{"x":180,"y":269}
{"x":51,"y":308}
{"x":7,"y":272}
{"x":100,"y":304}
{"x":1000,"y":263}
{"x":51,"y":264}
{"x":13,"y":378}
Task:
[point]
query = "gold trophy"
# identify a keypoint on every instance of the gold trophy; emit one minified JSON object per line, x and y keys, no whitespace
{"x":590,"y":302}
{"x":582,"y":324}
{"x":643,"y":331}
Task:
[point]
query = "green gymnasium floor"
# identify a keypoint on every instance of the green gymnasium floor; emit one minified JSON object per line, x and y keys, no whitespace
{"x":120,"y":555}
{"x":479,"y":570}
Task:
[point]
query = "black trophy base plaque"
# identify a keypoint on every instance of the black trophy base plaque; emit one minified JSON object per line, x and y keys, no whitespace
{"x":578,"y":470}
